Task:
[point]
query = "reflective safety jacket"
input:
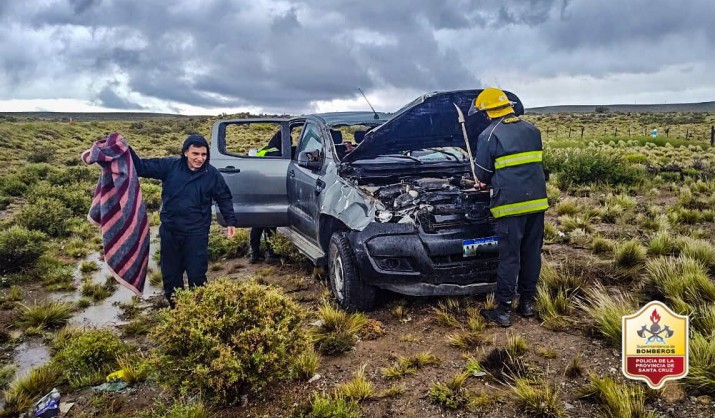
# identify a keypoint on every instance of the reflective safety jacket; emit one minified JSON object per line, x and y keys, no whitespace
{"x":268,"y":152}
{"x":508,"y":158}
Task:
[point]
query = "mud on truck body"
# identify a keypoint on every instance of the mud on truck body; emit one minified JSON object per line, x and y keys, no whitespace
{"x":395,"y":207}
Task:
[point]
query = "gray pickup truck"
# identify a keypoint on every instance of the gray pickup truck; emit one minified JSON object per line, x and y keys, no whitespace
{"x":383,"y":201}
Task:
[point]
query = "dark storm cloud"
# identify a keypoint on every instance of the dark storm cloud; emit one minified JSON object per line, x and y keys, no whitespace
{"x":108,"y":97}
{"x":286,"y":54}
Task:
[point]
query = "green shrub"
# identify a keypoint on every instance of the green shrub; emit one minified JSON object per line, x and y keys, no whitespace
{"x":75,"y":198}
{"x":701,"y":376}
{"x":151,"y":193}
{"x":72,"y":175}
{"x":46,"y":215}
{"x":13,"y":185}
{"x":20,"y":248}
{"x":86,"y":357}
{"x":228,"y":337}
{"x":41,"y":155}
{"x":579,"y":167}
{"x":221,"y":246}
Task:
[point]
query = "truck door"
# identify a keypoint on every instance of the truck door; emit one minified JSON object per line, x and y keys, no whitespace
{"x":253,"y":156}
{"x":304,"y":184}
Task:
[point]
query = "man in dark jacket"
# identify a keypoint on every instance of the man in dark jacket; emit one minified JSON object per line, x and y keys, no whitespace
{"x":189,"y":185}
{"x":509,"y":154}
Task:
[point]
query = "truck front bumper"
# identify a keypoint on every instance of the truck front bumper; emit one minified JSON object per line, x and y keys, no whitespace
{"x":404,"y":259}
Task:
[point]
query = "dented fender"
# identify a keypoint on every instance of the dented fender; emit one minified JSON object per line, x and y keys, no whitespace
{"x":342,"y":200}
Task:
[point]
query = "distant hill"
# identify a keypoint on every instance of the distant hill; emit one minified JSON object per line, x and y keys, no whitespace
{"x":635,"y":108}
{"x":86,"y":116}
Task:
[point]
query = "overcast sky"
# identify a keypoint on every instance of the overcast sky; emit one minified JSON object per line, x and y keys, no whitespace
{"x":296,"y":56}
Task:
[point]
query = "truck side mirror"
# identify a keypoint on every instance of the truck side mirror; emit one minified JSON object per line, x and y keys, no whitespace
{"x":311,"y":160}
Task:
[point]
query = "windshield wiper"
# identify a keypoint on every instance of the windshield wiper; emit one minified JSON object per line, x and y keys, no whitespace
{"x":409,"y":157}
{"x":456,"y":157}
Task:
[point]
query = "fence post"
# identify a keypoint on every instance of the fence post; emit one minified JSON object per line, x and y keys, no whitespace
{"x":569,"y":132}
{"x":687,"y":133}
{"x":667,"y":132}
{"x":615,"y":131}
{"x":583,"y":128}
{"x":712,"y":136}
{"x":629,"y":132}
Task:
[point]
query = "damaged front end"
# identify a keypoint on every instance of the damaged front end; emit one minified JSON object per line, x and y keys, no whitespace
{"x":429,"y":235}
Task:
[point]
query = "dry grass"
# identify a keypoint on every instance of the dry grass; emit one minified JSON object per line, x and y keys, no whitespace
{"x":338,"y":331}
{"x":629,"y":254}
{"x":619,"y":400}
{"x":358,"y":389}
{"x":306,"y":364}
{"x":606,"y":311}
{"x":410,"y":365}
{"x":45,"y":315}
{"x":26,"y":389}
{"x":539,"y":399}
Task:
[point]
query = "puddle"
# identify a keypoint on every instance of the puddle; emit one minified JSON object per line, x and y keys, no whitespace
{"x":105,"y":313}
{"x":30,"y":354}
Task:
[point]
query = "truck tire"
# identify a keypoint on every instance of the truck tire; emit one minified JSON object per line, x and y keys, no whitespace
{"x":345,"y":284}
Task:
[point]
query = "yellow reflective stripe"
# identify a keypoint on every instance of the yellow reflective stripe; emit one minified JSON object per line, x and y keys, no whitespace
{"x":263,"y":152}
{"x":529,"y":206}
{"x":518,"y":159}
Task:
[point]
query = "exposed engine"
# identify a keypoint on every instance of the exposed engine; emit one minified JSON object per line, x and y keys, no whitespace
{"x":432,"y":203}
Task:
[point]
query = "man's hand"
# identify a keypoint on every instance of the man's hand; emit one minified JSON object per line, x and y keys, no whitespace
{"x":481,"y":185}
{"x":230,"y":231}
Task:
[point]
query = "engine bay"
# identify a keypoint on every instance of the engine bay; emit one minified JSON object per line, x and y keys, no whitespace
{"x":433,"y":203}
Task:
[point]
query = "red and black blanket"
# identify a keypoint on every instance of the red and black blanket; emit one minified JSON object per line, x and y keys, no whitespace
{"x":119,"y":210}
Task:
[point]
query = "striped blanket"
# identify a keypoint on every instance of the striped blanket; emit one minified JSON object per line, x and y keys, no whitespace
{"x":119,"y":210}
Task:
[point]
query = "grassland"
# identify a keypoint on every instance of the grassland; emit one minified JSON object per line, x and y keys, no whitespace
{"x":632,"y":219}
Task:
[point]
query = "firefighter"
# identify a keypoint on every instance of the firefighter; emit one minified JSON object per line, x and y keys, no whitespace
{"x":508,"y":158}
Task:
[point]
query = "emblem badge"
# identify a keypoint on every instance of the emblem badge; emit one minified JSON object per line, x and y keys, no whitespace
{"x":655,"y":345}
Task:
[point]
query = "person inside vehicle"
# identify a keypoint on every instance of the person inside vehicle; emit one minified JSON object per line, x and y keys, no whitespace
{"x":509,"y":159}
{"x":272,"y":149}
{"x":189,"y":186}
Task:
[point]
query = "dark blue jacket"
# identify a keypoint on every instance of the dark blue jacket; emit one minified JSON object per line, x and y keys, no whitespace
{"x":187,"y":195}
{"x":509,"y":158}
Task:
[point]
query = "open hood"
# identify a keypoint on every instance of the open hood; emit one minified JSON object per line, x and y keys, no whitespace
{"x":429,"y":121}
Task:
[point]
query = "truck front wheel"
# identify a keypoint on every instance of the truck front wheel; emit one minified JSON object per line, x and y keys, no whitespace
{"x":345,"y":283}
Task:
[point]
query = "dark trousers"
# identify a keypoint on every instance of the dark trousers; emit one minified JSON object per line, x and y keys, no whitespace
{"x":182,"y":253}
{"x":255,"y":238}
{"x":520,"y":241}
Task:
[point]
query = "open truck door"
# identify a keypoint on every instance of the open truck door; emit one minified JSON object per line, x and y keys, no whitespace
{"x":253,"y":156}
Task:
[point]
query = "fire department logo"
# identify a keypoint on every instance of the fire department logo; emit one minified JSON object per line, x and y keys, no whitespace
{"x":655,"y":345}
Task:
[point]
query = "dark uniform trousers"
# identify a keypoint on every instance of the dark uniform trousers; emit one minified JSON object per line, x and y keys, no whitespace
{"x":255,"y":238}
{"x":182,"y":253}
{"x":520,"y":241}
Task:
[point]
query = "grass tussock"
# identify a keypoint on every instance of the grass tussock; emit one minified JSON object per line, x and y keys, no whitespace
{"x":28,"y":388}
{"x":450,"y":395}
{"x":504,"y":367}
{"x":324,"y":406}
{"x":338,"y":330}
{"x":600,"y":245}
{"x":305,"y":365}
{"x":663,"y":243}
{"x":358,"y":389}
{"x":701,"y":376}
{"x":575,"y":367}
{"x":618,"y":400}
{"x":629,"y":254}
{"x":410,"y":365}
{"x":539,"y":399}
{"x":155,"y":278}
{"x":516,"y":345}
{"x":470,"y":336}
{"x":392,"y":392}
{"x":677,"y":279}
{"x":606,"y":311}
{"x":45,"y":315}
{"x":555,"y":294}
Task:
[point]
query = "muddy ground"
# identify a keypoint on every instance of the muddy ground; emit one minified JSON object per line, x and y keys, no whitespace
{"x":417,"y":330}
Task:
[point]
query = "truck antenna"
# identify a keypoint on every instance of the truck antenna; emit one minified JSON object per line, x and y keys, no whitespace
{"x":368,"y":103}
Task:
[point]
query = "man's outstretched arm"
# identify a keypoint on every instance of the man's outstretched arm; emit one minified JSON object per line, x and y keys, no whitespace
{"x":154,"y":168}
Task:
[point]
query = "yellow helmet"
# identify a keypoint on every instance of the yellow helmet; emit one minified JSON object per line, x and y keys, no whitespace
{"x":494,"y":102}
